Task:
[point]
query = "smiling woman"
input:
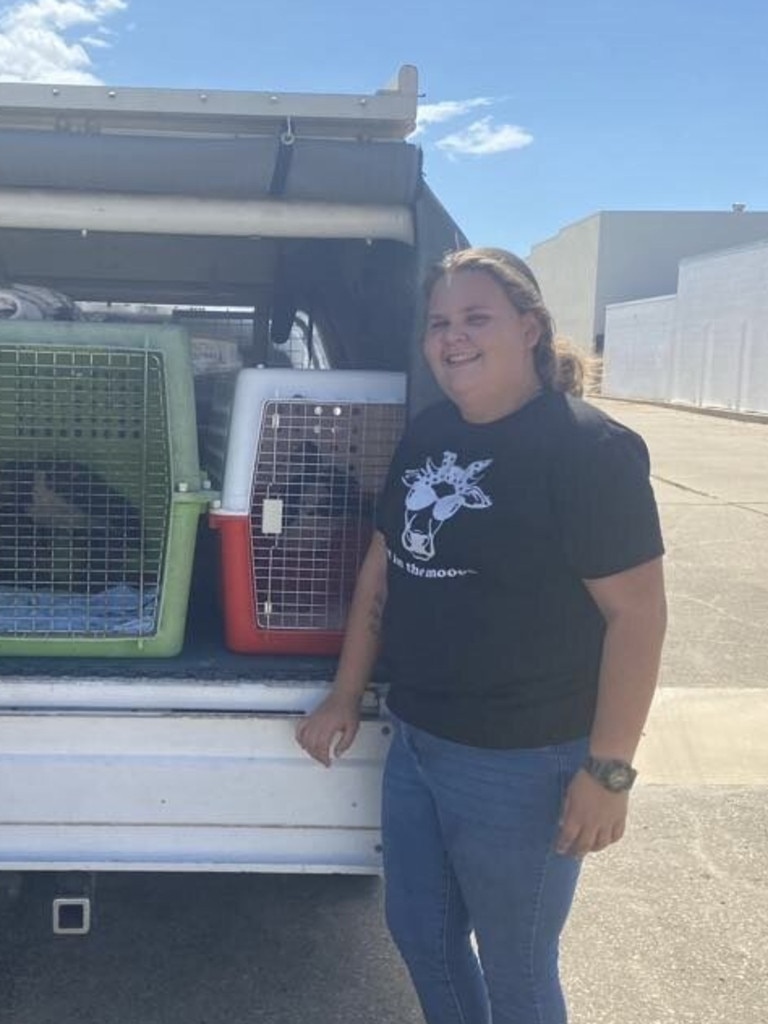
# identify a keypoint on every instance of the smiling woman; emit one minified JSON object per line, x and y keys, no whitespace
{"x":479,"y":347}
{"x":517,"y":560}
{"x":485,"y":311}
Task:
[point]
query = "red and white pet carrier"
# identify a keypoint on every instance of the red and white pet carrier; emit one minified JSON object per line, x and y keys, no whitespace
{"x":306,"y":456}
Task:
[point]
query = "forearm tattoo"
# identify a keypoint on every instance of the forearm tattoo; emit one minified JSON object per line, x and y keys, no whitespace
{"x":375,"y":613}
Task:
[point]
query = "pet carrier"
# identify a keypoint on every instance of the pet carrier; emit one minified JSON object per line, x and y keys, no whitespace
{"x":306,"y":455}
{"x":100,"y":490}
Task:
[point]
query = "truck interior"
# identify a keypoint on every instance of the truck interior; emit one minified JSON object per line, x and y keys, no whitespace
{"x":279,"y":230}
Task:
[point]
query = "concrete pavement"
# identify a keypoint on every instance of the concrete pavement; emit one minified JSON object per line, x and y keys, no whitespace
{"x":671,"y":925}
{"x":711,"y":480}
{"x":712,"y":737}
{"x":709,"y":723}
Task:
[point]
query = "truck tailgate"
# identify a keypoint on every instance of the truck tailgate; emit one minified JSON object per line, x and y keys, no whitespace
{"x":183,"y":790}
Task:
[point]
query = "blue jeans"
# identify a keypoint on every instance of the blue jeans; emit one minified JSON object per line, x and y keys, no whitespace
{"x":468,"y":847}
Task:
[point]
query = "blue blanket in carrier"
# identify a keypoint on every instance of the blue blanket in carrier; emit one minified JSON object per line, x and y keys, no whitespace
{"x":120,"y":610}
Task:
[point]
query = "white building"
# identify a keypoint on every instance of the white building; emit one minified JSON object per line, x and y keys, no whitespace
{"x":707,"y":345}
{"x":612,"y":257}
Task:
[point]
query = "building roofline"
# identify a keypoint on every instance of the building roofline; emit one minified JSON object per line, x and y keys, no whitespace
{"x":641,"y":302}
{"x":760,"y":243}
{"x":597,"y":214}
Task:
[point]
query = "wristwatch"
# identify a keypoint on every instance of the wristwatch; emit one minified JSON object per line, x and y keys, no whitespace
{"x":615,"y":775}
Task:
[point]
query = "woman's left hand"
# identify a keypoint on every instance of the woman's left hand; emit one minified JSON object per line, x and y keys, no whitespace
{"x":592,"y":817}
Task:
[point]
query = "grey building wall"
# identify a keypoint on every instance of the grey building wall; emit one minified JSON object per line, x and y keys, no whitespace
{"x":705,"y":346}
{"x":637,"y":257}
{"x":721,"y":344}
{"x":639,"y":348}
{"x":566,"y":269}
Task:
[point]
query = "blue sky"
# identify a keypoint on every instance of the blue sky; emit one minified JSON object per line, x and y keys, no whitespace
{"x":556,"y":110}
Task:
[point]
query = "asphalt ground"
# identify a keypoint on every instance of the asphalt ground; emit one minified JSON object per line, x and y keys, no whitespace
{"x":671,"y":925}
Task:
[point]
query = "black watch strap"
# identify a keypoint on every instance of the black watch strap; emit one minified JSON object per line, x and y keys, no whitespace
{"x":615,"y":775}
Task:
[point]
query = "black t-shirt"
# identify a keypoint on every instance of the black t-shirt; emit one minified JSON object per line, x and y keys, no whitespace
{"x":490,"y":636}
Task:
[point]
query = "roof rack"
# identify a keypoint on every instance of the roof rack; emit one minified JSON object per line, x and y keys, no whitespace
{"x":389,"y":113}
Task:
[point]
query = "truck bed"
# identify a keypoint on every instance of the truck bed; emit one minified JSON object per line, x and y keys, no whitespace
{"x":204,"y":658}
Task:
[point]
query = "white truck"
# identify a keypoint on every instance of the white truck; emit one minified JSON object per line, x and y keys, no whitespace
{"x":297,"y":209}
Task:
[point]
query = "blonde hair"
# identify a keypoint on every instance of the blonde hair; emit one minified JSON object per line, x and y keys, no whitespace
{"x":560,"y":365}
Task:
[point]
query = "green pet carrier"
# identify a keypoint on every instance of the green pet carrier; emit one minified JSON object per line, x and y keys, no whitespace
{"x":100,"y":488}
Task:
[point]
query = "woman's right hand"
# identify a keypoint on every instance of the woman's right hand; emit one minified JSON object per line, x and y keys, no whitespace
{"x":338,"y":715}
{"x":330,"y":729}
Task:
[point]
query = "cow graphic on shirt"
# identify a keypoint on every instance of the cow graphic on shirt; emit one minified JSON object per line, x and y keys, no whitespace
{"x":435,"y":495}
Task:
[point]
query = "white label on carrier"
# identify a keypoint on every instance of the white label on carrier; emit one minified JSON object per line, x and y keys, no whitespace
{"x":272,"y":516}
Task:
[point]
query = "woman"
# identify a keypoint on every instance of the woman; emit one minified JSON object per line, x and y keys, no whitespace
{"x":516,"y":573}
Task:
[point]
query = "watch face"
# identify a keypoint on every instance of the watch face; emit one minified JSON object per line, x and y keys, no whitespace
{"x":618,"y":778}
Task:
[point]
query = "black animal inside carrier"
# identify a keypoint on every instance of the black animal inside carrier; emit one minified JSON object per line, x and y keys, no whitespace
{"x":306,"y":456}
{"x":99,"y":488}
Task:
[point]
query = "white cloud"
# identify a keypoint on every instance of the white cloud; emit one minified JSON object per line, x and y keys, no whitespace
{"x":36,"y":43}
{"x":98,"y":41}
{"x":483,"y":137}
{"x":447,"y":110}
{"x":480,"y":138}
